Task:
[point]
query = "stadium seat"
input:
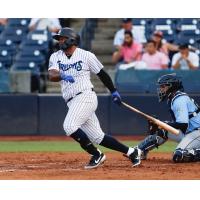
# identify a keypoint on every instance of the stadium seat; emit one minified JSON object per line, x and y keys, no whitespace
{"x":195,"y":32}
{"x":163,"y":21}
{"x":16,"y":35}
{"x":15,"y":39}
{"x":189,"y":21}
{"x":30,"y":66}
{"x":187,"y":24}
{"x":31,"y":42}
{"x":36,"y":58}
{"x":169,"y":35}
{"x":163,"y":24}
{"x":188,"y":36}
{"x":139,"y":21}
{"x":30,"y":52}
{"x":9,"y":46}
{"x":44,"y":35}
{"x":181,"y":39}
{"x":5,"y":58}
{"x":14,"y":31}
{"x":32,"y":45}
{"x":18,"y":22}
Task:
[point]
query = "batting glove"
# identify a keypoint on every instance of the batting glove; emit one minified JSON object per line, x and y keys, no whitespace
{"x":116,"y":98}
{"x":67,"y":78}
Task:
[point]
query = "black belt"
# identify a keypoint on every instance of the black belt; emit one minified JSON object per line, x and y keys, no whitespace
{"x":76,"y":95}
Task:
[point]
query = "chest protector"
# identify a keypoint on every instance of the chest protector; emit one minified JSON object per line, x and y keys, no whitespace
{"x":178,"y":94}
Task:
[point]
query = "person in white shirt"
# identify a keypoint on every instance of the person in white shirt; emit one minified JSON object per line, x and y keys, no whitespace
{"x":185,"y":59}
{"x":52,"y":24}
{"x":138,"y":33}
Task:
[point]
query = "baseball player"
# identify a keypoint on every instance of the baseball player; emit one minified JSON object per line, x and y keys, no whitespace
{"x":72,"y":67}
{"x":185,"y":115}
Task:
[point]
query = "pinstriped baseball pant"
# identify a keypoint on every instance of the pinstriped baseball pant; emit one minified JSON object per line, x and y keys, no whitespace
{"x":81,"y":114}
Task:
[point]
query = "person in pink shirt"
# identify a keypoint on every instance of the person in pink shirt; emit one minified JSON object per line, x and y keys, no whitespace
{"x":153,"y":58}
{"x":130,"y":50}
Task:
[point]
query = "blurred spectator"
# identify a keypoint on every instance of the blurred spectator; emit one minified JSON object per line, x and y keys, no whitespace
{"x":153,"y":58}
{"x":162,"y":46}
{"x":130,"y":50}
{"x":138,"y":33}
{"x":52,"y":24}
{"x":3,"y":21}
{"x":185,"y":59}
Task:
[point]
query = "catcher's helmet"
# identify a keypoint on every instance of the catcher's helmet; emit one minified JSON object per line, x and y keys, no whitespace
{"x":72,"y":38}
{"x":168,"y":84}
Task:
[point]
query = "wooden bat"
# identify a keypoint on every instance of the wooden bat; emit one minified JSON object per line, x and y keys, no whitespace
{"x":161,"y":124}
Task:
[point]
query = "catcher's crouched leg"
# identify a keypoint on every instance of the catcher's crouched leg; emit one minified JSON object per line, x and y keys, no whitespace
{"x":186,"y":155}
{"x":151,"y":142}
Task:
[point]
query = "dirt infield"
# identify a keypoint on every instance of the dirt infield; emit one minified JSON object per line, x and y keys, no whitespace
{"x":69,"y":166}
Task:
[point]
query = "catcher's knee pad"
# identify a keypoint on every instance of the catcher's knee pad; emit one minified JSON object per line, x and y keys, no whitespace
{"x":186,"y":155}
{"x":151,"y":142}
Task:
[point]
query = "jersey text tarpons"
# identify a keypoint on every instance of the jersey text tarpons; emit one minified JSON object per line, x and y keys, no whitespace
{"x":77,"y":65}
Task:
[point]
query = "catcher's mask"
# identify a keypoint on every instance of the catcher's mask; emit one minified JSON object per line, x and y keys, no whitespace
{"x":168,"y":84}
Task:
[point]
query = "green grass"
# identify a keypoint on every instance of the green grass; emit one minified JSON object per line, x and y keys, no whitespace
{"x":63,"y":146}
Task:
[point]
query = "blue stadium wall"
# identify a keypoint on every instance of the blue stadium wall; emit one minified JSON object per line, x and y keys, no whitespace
{"x":44,"y":114}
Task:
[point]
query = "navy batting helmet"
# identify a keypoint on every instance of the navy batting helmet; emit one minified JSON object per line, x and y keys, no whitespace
{"x":72,"y":38}
{"x":168,"y":84}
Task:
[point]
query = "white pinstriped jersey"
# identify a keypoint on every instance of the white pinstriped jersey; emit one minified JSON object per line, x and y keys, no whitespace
{"x":79,"y":65}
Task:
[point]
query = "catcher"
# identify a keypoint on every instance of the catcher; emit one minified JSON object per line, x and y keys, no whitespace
{"x":185,"y":115}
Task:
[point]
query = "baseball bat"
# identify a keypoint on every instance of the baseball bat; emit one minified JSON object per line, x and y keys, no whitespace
{"x":161,"y":124}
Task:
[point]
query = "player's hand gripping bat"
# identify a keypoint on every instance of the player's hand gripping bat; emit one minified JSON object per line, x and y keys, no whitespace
{"x":161,"y":124}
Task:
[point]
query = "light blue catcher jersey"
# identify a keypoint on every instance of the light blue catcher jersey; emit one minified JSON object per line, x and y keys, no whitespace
{"x":183,"y":106}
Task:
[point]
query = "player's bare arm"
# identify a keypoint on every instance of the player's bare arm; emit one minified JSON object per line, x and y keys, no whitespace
{"x":190,"y":64}
{"x":54,"y":75}
{"x":177,"y":64}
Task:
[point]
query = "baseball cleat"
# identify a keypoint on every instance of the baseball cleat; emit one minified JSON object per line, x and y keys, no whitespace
{"x":95,"y":161}
{"x":135,"y":157}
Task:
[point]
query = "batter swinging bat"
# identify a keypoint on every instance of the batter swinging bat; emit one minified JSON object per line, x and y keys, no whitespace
{"x":154,"y":120}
